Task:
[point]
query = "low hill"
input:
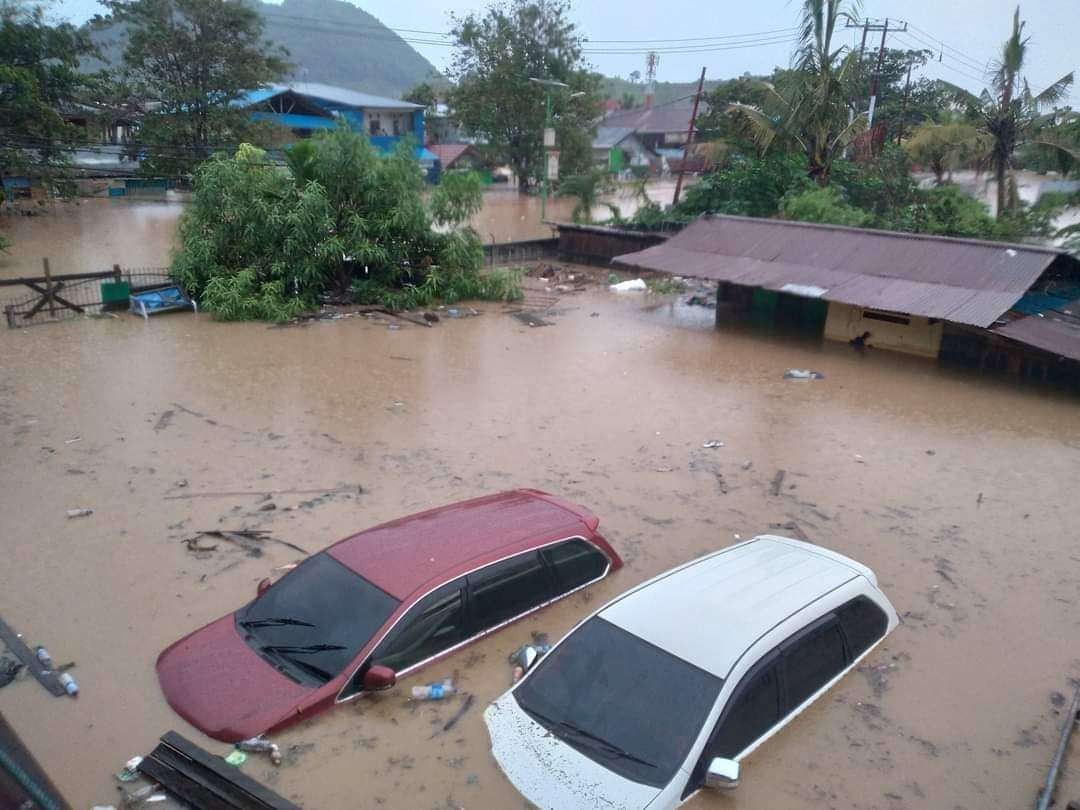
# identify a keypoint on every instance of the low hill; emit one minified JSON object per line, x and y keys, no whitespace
{"x":329,"y":41}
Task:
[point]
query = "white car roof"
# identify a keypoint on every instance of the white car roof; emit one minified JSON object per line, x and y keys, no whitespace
{"x":710,"y":611}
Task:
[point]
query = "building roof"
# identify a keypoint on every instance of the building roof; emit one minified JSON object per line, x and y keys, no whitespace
{"x":744,"y":590}
{"x":330,"y":93}
{"x":1054,"y":332}
{"x":405,"y":554}
{"x":658,"y":119}
{"x":449,"y":153}
{"x":962,"y":280}
{"x":610,"y":137}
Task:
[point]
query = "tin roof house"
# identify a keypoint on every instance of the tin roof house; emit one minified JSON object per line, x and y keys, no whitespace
{"x":305,"y":107}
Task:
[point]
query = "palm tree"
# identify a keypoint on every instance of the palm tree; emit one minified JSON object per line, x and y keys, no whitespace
{"x":1013,"y":116}
{"x":808,"y":108}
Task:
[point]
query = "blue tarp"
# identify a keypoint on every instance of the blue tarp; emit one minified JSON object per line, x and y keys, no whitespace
{"x":1034,"y":303}
{"x":162,"y":299}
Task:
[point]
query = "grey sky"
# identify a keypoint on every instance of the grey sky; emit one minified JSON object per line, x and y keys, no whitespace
{"x":972,"y":31}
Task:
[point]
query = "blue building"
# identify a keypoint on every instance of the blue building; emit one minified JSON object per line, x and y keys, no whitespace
{"x":304,"y":107}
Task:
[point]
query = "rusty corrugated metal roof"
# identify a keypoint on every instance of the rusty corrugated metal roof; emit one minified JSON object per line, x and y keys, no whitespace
{"x":961,"y":280}
{"x":1058,"y":333}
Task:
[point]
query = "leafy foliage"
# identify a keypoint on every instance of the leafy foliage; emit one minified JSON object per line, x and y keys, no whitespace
{"x":497,"y":54}
{"x":824,"y":205}
{"x":261,"y":242}
{"x":945,"y":147}
{"x":38,"y":78}
{"x":423,"y":94}
{"x":586,"y":189}
{"x":751,"y":187}
{"x":195,"y":59}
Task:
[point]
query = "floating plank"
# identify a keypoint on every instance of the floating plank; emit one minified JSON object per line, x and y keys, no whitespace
{"x":50,"y":680}
{"x":205,"y":781}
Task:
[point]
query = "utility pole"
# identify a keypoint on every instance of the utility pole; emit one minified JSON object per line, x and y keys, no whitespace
{"x":877,"y":76}
{"x":689,"y":137}
{"x":885,"y":27}
{"x":903,"y":107}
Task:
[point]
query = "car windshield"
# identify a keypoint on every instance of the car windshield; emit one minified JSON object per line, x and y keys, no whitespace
{"x":314,"y":621}
{"x":620,"y":701}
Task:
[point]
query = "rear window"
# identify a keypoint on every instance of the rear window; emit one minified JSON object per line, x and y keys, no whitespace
{"x":575,"y":563}
{"x":864,"y":624}
{"x":619,"y":700}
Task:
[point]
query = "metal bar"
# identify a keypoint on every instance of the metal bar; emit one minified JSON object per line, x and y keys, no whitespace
{"x":49,"y":288}
{"x":1047,"y":792}
{"x":689,"y":138}
{"x":18,"y":648}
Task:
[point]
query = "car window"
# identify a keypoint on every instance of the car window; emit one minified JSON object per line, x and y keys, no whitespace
{"x":505,"y":589}
{"x":864,"y":623}
{"x":628,"y":705}
{"x":434,"y":624}
{"x":752,"y":709}
{"x":574,"y":563}
{"x":315,"y":620}
{"x":811,"y":660}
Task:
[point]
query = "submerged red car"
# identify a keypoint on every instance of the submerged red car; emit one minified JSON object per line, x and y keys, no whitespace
{"x":378,"y":605}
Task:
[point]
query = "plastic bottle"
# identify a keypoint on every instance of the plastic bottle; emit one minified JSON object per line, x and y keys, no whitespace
{"x":434,"y":691}
{"x":69,"y":684}
{"x":259,"y":745}
{"x":44,"y":657}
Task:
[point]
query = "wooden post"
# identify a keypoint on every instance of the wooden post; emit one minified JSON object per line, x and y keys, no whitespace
{"x":117,"y":276}
{"x":49,"y":288}
{"x":689,"y":138}
{"x":9,"y":311}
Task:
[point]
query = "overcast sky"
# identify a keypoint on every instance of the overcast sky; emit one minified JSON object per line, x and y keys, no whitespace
{"x":966,"y":33}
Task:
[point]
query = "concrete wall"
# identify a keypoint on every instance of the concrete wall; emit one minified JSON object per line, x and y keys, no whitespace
{"x":918,"y":336}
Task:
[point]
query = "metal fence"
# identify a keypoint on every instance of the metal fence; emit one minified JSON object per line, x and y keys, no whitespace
{"x":60,"y":297}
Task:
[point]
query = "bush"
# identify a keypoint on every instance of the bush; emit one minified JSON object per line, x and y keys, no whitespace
{"x":751,"y":187}
{"x":824,"y":205}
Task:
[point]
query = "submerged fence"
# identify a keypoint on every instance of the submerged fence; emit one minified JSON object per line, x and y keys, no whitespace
{"x":59,"y":297}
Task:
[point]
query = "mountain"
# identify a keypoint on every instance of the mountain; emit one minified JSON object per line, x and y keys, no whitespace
{"x":329,"y":41}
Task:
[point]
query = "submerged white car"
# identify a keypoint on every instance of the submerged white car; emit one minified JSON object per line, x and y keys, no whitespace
{"x":665,"y":689}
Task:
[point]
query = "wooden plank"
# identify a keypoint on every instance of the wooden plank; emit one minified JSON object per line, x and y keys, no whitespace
{"x":28,"y":280}
{"x":181,"y":785}
{"x":216,"y":772}
{"x":50,"y":680}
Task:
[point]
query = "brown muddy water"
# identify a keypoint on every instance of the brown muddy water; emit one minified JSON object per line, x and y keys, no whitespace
{"x":93,"y":234}
{"x":956,"y":489}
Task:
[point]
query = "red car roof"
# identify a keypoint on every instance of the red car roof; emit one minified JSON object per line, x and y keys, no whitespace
{"x":404,"y":554}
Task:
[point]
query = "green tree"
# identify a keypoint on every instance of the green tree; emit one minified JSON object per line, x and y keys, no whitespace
{"x":192,"y":60}
{"x":587,"y":189}
{"x":261,"y":243}
{"x":1013,"y":116}
{"x":945,"y":147}
{"x":497,"y":54}
{"x":807,"y":108}
{"x":422,"y":94}
{"x":628,"y":101}
{"x":751,"y":187}
{"x":39,"y":79}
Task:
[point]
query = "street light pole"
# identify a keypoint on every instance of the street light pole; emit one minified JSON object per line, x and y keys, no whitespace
{"x":549,"y":84}
{"x":547,"y":125}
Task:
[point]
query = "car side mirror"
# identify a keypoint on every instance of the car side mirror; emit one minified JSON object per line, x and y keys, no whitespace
{"x":723,"y":774}
{"x":378,"y":678}
{"x":263,"y":586}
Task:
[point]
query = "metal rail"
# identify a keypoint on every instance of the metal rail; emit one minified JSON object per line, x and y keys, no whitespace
{"x":1047,"y":793}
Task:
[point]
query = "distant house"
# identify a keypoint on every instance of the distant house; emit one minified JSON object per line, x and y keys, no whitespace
{"x":659,"y":130}
{"x":619,"y":148}
{"x":303,"y":108}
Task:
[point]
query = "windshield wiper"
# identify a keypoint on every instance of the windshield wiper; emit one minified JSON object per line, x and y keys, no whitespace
{"x":286,"y":649}
{"x":274,"y":622}
{"x":310,"y":668}
{"x":610,"y":746}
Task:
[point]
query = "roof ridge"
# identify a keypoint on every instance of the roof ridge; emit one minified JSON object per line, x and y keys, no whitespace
{"x":957,"y":240}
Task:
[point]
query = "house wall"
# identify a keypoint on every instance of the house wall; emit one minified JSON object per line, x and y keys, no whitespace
{"x":920,"y":336}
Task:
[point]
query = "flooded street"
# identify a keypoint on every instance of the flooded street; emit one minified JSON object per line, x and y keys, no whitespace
{"x":956,"y":489}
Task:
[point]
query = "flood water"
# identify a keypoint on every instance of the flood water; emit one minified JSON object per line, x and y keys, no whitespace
{"x":94,"y":234}
{"x":956,"y":489}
